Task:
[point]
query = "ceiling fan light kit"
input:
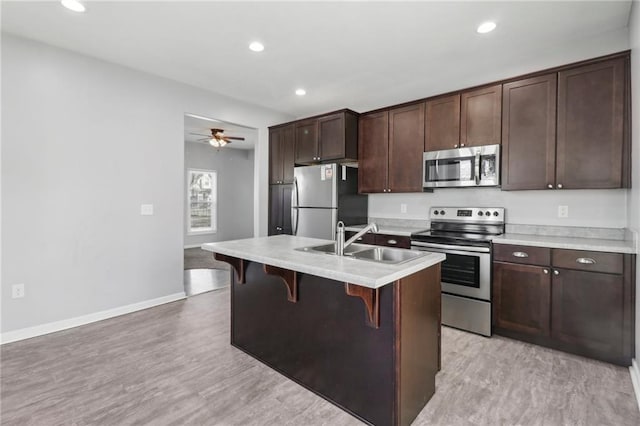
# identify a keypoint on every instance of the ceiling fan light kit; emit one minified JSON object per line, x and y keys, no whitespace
{"x":218,"y":139}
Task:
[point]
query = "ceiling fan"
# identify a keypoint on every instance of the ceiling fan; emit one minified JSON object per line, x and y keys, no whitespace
{"x":217,"y":138}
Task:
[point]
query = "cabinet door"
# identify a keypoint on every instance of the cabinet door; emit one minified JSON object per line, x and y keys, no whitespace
{"x":306,"y":141}
{"x":529,"y":133}
{"x":373,"y":152}
{"x":588,"y":311}
{"x":275,"y":156}
{"x":280,"y":209}
{"x":406,"y":144}
{"x":591,"y":101}
{"x":480,"y":115}
{"x":521,"y":298}
{"x":331,"y":133}
{"x":287,"y":152}
{"x":442,"y":123}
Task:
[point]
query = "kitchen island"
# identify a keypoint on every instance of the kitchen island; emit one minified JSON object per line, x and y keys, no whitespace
{"x":364,"y":335}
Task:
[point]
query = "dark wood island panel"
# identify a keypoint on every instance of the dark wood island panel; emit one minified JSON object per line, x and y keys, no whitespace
{"x":326,"y":343}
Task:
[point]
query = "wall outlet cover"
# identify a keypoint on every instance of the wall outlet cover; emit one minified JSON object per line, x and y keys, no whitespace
{"x":17,"y":291}
{"x":146,"y":210}
{"x":403,"y":208}
{"x":563,"y":211}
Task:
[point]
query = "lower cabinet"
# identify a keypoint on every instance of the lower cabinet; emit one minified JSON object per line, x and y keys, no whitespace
{"x":280,"y":209}
{"x":579,"y":301}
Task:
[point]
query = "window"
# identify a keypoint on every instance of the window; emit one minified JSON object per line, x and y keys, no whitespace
{"x":202,"y":203}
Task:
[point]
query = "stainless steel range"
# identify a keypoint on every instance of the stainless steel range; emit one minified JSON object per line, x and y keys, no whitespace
{"x":464,"y":235}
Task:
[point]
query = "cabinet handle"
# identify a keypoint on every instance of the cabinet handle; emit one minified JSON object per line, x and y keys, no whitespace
{"x":455,"y":146}
{"x":389,"y":190}
{"x":550,"y":186}
{"x":559,"y":186}
{"x":278,"y":228}
{"x":520,"y":254}
{"x":462,"y":145}
{"x":392,"y":242}
{"x":359,"y":239}
{"x":546,"y":271}
{"x":555,"y":272}
{"x":586,"y":260}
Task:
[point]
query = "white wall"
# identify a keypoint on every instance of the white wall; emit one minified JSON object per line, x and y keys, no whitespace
{"x":594,"y":208}
{"x":84,"y":143}
{"x":234,"y":170}
{"x":634,"y":192}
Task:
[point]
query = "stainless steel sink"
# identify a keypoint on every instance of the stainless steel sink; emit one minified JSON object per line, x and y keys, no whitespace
{"x":389,"y":255}
{"x":331,"y":249}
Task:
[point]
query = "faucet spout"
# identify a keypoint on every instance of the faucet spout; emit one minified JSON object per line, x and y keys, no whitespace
{"x":341,"y":244}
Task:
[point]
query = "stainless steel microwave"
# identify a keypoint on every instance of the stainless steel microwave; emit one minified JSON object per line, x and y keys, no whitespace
{"x":471,"y":166}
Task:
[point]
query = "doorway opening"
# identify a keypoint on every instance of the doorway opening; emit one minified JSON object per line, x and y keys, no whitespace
{"x":219,"y":163}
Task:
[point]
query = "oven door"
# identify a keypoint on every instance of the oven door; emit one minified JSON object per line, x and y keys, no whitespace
{"x":465,"y":272}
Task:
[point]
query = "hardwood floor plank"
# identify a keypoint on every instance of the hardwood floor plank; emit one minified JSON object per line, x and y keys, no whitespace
{"x":173,"y":365}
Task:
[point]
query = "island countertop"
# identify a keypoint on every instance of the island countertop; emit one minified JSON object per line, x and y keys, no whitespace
{"x":280,"y":251}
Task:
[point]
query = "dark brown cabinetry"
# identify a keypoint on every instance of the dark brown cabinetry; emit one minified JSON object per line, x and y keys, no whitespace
{"x":585,"y":146}
{"x":470,"y":118}
{"x":331,"y":137}
{"x":529,"y":133}
{"x":386,"y":240}
{"x":280,"y":209}
{"x":281,"y":151}
{"x":442,"y":123}
{"x":573,"y":300}
{"x":391,"y":146}
{"x":591,"y":109}
{"x":480,"y":115}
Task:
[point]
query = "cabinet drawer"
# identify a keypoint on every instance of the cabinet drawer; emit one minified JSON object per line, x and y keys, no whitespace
{"x":594,"y":261}
{"x":522,"y":254}
{"x":367,"y":238}
{"x":393,"y":241}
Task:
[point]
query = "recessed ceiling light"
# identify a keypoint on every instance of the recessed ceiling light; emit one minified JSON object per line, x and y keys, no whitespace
{"x":74,"y":5}
{"x":486,"y":27}
{"x":256,"y":46}
{"x":301,"y":92}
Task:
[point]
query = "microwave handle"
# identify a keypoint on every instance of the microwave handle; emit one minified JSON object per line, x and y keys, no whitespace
{"x":477,"y":168}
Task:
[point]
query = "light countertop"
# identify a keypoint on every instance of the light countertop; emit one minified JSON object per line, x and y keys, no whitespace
{"x":571,"y":243}
{"x":279,"y":250}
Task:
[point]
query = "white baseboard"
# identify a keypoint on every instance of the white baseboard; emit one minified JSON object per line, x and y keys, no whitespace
{"x":52,"y":327}
{"x":634,"y":369}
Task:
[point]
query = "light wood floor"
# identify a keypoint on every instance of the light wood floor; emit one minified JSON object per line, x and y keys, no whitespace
{"x":173,"y":365}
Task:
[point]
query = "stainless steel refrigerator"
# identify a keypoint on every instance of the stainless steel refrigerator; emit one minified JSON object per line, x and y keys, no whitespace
{"x":322,"y":195}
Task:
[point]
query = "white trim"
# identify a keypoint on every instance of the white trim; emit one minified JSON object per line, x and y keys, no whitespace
{"x":52,"y":327}
{"x":635,"y":379}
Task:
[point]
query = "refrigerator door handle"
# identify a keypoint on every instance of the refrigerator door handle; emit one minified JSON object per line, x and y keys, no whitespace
{"x":294,"y":207}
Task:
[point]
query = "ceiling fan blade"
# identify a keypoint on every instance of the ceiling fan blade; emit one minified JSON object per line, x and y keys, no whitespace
{"x":200,"y":134}
{"x":235,"y":138}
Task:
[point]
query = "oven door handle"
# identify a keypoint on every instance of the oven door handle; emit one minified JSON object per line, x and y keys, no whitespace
{"x":420,"y":245}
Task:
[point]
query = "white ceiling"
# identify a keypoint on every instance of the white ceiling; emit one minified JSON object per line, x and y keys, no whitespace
{"x":359,"y":55}
{"x":194,"y":126}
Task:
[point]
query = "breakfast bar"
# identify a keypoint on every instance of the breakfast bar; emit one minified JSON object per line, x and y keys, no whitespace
{"x":363,"y":334}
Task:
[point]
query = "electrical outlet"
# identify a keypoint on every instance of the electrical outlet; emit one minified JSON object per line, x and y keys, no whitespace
{"x":403,"y":208}
{"x":17,"y":291}
{"x":146,"y":209}
{"x":563,"y":211}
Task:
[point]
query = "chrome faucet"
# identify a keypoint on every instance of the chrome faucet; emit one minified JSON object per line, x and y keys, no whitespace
{"x":341,"y":244}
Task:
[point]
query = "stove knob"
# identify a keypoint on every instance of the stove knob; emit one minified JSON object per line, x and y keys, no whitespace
{"x":480,"y":213}
{"x":436,"y":212}
{"x":495,"y":213}
{"x":487,"y":213}
{"x":442,"y":212}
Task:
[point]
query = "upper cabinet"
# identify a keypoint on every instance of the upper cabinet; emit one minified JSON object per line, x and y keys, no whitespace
{"x":391,"y":145}
{"x":281,"y":152}
{"x":529,"y":133}
{"x":591,"y":126}
{"x":331,"y":137}
{"x":470,"y":118}
{"x":572,"y":137}
{"x":480,"y":113}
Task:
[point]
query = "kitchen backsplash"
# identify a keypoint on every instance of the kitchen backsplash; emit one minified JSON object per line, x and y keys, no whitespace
{"x":586,"y":208}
